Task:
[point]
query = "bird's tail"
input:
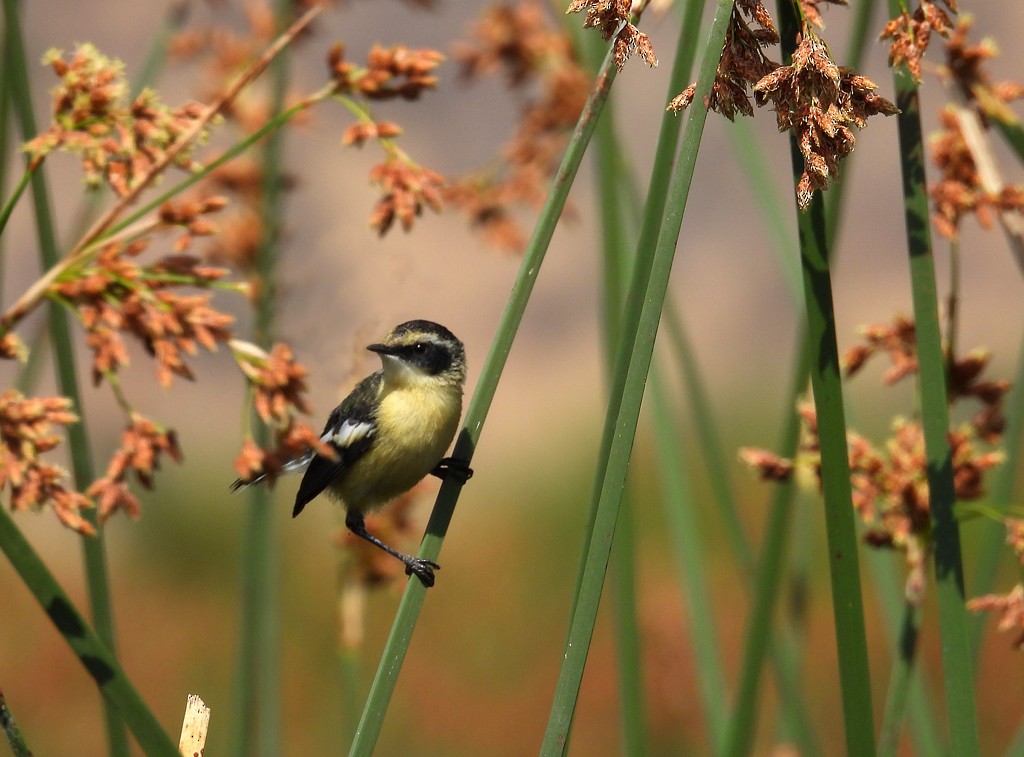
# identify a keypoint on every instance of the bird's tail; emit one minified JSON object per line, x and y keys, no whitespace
{"x":295,"y":465}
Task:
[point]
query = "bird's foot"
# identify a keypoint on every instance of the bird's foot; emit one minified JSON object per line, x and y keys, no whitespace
{"x":457,"y":469}
{"x":422,"y":568}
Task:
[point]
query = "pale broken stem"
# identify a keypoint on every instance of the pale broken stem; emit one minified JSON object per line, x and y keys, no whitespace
{"x":194,"y":727}
{"x":86,"y":246}
{"x":977,"y":142}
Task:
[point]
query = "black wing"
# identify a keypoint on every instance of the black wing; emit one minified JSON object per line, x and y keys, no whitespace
{"x":350,"y":431}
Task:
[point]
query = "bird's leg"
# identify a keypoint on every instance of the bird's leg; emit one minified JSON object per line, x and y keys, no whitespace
{"x":422,"y":568}
{"x":458,"y":469}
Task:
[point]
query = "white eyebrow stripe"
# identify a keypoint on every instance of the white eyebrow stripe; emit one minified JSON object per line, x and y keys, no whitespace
{"x":348,"y":433}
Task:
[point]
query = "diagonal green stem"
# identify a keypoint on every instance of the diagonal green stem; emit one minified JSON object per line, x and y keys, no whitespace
{"x":397,"y":645}
{"x":118,"y":692}
{"x":611,"y":179}
{"x":644,"y":304}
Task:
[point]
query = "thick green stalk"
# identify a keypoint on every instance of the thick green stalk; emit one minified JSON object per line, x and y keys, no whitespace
{"x":835,"y":471}
{"x":610,"y":180}
{"x":612,"y":183}
{"x":840,"y":527}
{"x":100,"y":663}
{"x":632,"y":362}
{"x":957,"y":657}
{"x":397,"y":645}
{"x":81,"y":458}
{"x":257,"y":729}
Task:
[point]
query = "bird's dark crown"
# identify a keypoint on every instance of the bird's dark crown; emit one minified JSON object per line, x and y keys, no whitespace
{"x":427,"y":345}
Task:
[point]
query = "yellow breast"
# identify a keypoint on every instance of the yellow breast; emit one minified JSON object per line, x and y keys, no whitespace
{"x":415,"y":426}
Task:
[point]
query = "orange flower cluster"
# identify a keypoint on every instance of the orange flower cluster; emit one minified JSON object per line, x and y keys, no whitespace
{"x":965,"y":63}
{"x":26,"y":432}
{"x":960,"y":191}
{"x":390,"y":72}
{"x":277,"y":380}
{"x":405,"y":189}
{"x":742,"y":65}
{"x":115,"y":296}
{"x":118,"y":142}
{"x":613,"y":18}
{"x":142,"y":445}
{"x":278,"y":385}
{"x":812,"y":96}
{"x":911,"y":34}
{"x":890,"y":485}
{"x":520,"y":40}
{"x":1011,"y":604}
{"x":820,"y":102}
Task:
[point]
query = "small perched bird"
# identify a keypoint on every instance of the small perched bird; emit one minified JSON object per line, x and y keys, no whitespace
{"x":391,"y":431}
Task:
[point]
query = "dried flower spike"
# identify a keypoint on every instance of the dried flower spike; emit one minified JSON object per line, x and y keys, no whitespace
{"x":743,"y":62}
{"x":819,"y":102}
{"x":118,"y":142}
{"x":911,"y":34}
{"x":612,"y":17}
{"x":26,"y":432}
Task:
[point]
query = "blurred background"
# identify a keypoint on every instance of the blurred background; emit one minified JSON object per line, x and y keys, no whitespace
{"x":480,"y":673}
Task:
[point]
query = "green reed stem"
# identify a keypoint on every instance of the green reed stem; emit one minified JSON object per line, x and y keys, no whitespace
{"x":257,"y":728}
{"x":835,"y":471}
{"x":81,"y":458}
{"x":954,"y":625}
{"x":119,"y":695}
{"x":612,"y":180}
{"x":840,"y":527}
{"x":397,"y":645}
{"x":644,"y":303}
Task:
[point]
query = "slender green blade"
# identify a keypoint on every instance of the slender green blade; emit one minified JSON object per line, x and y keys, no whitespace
{"x":372,"y":720}
{"x":632,"y":361}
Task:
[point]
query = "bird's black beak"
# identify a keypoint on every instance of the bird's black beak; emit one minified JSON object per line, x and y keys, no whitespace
{"x":381,"y":349}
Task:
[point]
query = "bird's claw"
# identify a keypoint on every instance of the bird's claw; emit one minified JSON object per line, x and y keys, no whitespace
{"x":423,"y":569}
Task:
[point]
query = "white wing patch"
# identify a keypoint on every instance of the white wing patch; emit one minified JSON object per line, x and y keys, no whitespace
{"x":298,"y":464}
{"x":348,"y":433}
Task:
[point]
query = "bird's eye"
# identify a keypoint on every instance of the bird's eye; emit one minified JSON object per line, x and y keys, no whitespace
{"x":419,"y":348}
